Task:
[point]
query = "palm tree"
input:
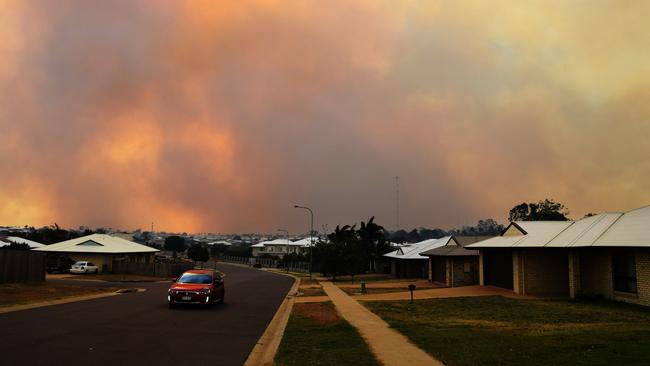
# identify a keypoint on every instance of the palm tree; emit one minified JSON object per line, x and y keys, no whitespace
{"x":373,"y":240}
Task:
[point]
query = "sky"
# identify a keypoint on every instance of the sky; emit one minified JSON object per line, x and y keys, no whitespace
{"x":220,"y":116}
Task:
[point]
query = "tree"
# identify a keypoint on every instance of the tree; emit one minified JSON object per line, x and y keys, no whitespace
{"x":175,"y":244}
{"x":332,"y":255}
{"x":294,"y":257}
{"x":488,"y":227}
{"x":16,"y":246}
{"x":547,"y":210}
{"x":431,"y":233}
{"x":198,"y":253}
{"x":373,"y":241}
{"x":218,"y":249}
{"x":398,"y":236}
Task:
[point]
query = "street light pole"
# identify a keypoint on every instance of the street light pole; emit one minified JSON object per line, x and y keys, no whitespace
{"x":287,"y":237}
{"x":311,"y":238}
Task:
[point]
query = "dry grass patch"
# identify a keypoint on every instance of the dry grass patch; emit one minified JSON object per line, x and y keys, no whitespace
{"x":318,"y":313}
{"x":310,"y":288}
{"x":28,"y":293}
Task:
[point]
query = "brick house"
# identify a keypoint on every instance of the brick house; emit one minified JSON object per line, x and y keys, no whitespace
{"x":407,"y":262}
{"x":606,"y":255}
{"x":454,"y":265}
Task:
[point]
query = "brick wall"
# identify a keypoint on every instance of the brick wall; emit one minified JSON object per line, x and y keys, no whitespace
{"x":545,"y":272}
{"x":597,"y":278}
{"x":517,"y":273}
{"x":462,"y":278}
{"x":596,"y":272}
{"x":643,"y":277}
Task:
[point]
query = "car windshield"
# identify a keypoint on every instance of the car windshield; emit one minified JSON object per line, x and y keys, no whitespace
{"x":195,"y":278}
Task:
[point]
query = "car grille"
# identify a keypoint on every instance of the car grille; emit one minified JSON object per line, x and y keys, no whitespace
{"x":186,"y":293}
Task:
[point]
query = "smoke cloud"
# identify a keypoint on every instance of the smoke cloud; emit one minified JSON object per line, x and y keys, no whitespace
{"x":211,"y":116}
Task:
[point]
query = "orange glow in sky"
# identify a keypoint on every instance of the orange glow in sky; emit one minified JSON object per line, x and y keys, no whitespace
{"x":220,"y":116}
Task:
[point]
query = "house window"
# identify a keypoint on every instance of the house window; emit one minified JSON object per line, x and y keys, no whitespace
{"x":624,"y":271}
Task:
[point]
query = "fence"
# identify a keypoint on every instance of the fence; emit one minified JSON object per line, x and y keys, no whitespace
{"x":151,"y":269}
{"x":297,"y":267}
{"x":268,"y":262}
{"x":21,"y":266}
{"x":249,"y":261}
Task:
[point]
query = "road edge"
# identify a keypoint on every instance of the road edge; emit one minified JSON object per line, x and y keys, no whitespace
{"x":267,"y":346}
{"x":65,"y":300}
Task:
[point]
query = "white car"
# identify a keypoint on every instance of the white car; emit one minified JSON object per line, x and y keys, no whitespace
{"x":84,"y":267}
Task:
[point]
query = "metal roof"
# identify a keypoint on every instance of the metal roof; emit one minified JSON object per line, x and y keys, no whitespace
{"x":451,"y":251}
{"x":456,"y":247}
{"x":32,"y":244}
{"x":97,"y":243}
{"x":629,"y":229}
{"x":413,"y":251}
{"x":306,"y":242}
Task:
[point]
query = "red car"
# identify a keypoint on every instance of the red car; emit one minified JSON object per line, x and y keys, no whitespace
{"x":197,"y":286}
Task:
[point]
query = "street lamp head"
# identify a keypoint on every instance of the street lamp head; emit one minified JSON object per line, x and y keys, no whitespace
{"x":296,"y":206}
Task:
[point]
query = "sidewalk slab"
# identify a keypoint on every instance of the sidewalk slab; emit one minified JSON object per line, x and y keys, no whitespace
{"x":405,"y":284}
{"x":389,"y":346}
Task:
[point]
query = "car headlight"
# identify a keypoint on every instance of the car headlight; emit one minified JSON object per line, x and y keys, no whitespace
{"x":205,"y":291}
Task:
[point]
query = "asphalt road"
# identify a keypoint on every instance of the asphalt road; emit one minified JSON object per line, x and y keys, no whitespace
{"x":140,"y":329}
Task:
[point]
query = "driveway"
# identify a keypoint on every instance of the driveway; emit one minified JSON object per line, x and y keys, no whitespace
{"x":139,"y":328}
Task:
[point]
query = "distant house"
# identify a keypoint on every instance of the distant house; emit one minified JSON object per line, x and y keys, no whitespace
{"x":454,"y":265}
{"x":220,"y":242}
{"x":604,"y":255}
{"x":407,"y":262}
{"x":280,"y":247}
{"x":102,"y":250}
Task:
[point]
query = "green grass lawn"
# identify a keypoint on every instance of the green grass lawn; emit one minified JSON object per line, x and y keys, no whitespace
{"x":316,"y":335}
{"x":499,"y":331}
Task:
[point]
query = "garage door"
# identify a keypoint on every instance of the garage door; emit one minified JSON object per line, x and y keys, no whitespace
{"x":497,"y":267}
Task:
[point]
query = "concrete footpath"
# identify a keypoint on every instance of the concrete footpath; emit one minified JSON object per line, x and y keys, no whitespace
{"x":389,"y":346}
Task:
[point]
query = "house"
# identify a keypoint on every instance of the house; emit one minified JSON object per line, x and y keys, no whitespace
{"x":453,"y":264}
{"x":280,"y":247}
{"x":606,"y":255}
{"x":102,"y":250}
{"x":407,"y":262}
